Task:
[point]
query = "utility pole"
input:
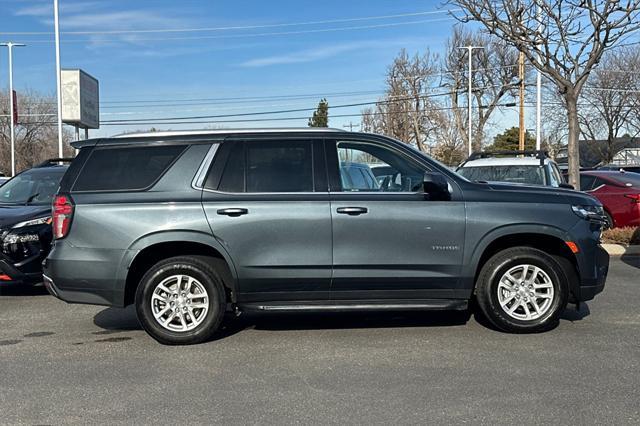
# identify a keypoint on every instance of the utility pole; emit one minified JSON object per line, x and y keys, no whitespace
{"x":470,"y":52}
{"x":522,"y":128}
{"x":10,"y":47}
{"x":58,"y":77}
{"x":350,"y":126}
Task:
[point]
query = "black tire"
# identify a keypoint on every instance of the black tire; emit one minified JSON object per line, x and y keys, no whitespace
{"x":197,"y":267}
{"x":609,"y":220}
{"x":487,"y":290}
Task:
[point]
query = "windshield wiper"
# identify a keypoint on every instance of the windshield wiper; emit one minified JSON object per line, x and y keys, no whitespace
{"x":30,"y":199}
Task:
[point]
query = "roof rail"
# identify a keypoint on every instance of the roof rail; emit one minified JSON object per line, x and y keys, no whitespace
{"x":53,"y":161}
{"x":539,"y":154}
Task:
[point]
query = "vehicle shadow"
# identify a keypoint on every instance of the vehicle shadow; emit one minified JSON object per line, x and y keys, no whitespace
{"x":572,"y":314}
{"x":23,"y":290}
{"x":631,"y":260}
{"x":118,"y":319}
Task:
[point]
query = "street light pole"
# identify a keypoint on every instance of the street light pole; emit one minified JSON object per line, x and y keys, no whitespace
{"x":538,"y":90}
{"x":470,"y":52}
{"x":10,"y":47}
{"x":58,"y":78}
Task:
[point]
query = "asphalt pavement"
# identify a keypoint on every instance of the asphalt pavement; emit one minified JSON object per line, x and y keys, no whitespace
{"x":63,"y":363}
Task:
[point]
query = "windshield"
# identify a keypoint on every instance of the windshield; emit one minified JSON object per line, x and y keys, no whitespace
{"x":629,"y":179}
{"x":33,"y":187}
{"x":531,"y":175}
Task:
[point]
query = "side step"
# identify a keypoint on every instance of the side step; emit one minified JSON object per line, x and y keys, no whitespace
{"x":356,"y":305}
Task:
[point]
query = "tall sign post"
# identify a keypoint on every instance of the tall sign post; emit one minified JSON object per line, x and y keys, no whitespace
{"x":56,"y":25}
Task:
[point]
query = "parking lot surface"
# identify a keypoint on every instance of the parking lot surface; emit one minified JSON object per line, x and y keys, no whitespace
{"x":65,"y":363}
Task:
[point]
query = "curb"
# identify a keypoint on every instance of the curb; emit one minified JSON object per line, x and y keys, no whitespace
{"x":620,"y":250}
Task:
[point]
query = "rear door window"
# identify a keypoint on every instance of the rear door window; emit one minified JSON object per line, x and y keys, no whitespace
{"x":586,"y":182}
{"x":266,"y":166}
{"x":127,"y":168}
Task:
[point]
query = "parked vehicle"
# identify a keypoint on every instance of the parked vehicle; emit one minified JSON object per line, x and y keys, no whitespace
{"x":357,"y":177}
{"x":523,"y":167}
{"x":619,"y":193}
{"x":618,"y":168}
{"x":188,"y":225}
{"x":25,"y":222}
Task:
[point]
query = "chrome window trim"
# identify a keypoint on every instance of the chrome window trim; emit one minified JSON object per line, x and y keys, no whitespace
{"x":201,"y":174}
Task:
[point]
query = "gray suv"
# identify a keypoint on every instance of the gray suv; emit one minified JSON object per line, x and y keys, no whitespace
{"x":190,"y":225}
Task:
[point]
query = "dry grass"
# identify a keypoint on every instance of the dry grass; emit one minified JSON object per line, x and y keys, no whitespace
{"x":628,"y":235}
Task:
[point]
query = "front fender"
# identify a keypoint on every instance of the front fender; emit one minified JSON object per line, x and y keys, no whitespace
{"x":472,"y":257}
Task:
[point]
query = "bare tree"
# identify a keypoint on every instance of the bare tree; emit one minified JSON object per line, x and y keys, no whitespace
{"x":564,"y":39}
{"x":36,"y":132}
{"x":494,"y":76}
{"x":403,"y":113}
{"x":610,"y":101}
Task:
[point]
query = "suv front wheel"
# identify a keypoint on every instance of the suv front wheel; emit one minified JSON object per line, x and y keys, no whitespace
{"x":181,"y":300}
{"x":522,"y":290}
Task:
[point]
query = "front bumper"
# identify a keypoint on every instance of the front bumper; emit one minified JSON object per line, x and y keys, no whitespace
{"x":12,"y":276}
{"x":593,"y":283}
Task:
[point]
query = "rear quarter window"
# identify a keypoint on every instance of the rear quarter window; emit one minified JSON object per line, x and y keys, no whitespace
{"x":127,"y":168}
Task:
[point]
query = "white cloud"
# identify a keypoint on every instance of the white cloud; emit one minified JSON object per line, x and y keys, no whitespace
{"x":45,"y":10}
{"x":319,"y":53}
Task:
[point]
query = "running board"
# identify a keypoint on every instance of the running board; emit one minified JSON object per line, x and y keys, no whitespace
{"x":356,"y":305}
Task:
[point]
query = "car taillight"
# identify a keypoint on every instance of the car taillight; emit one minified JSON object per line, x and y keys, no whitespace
{"x":62,"y":213}
{"x":634,"y":197}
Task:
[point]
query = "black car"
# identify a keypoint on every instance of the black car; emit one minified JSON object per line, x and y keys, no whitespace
{"x":25,"y":222}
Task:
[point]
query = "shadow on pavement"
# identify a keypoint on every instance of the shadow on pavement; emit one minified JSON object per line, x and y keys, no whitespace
{"x":116,"y":319}
{"x":571,"y":314}
{"x":631,"y":260}
{"x":23,"y":290}
{"x":121,"y":319}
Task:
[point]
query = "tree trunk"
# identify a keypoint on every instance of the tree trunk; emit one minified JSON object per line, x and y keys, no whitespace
{"x":573,"y":147}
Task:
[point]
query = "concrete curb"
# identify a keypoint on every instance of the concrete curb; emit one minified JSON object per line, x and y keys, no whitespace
{"x":620,"y":250}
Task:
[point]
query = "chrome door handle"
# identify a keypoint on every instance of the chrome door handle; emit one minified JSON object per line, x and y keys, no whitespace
{"x":233,"y":212}
{"x":352,"y":211}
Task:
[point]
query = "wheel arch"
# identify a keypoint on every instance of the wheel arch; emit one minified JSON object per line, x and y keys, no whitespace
{"x":147,"y":251}
{"x":551,"y":240}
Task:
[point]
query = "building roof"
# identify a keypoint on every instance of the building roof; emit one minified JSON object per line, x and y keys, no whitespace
{"x":594,"y":153}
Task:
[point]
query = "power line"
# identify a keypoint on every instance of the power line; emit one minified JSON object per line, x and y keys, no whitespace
{"x":284,"y":111}
{"x":235,"y":28}
{"x":320,"y":30}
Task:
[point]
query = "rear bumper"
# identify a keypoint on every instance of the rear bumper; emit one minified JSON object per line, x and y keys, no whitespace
{"x":81,"y":275}
{"x":74,"y":296}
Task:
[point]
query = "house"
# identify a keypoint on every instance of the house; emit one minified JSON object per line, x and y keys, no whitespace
{"x":594,"y":153}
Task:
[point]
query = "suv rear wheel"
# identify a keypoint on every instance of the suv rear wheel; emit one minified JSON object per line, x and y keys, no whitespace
{"x":522,"y":290}
{"x":181,"y":300}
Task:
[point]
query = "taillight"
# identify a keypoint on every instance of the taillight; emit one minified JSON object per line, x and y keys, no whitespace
{"x":62,"y":213}
{"x":634,"y":197}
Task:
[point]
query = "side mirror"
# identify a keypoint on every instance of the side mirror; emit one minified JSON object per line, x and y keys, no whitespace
{"x":436,"y":187}
{"x":566,"y":186}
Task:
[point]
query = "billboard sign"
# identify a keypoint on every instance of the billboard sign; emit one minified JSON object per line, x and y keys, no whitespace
{"x":80,"y":99}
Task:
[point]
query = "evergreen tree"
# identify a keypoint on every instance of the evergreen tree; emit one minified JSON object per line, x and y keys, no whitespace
{"x":321,"y":115}
{"x":509,"y":141}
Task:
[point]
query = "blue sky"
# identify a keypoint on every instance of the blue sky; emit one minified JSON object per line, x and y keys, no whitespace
{"x":308,"y":59}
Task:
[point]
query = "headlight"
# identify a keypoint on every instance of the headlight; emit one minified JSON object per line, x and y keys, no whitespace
{"x":589,"y":212}
{"x":40,"y":221}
